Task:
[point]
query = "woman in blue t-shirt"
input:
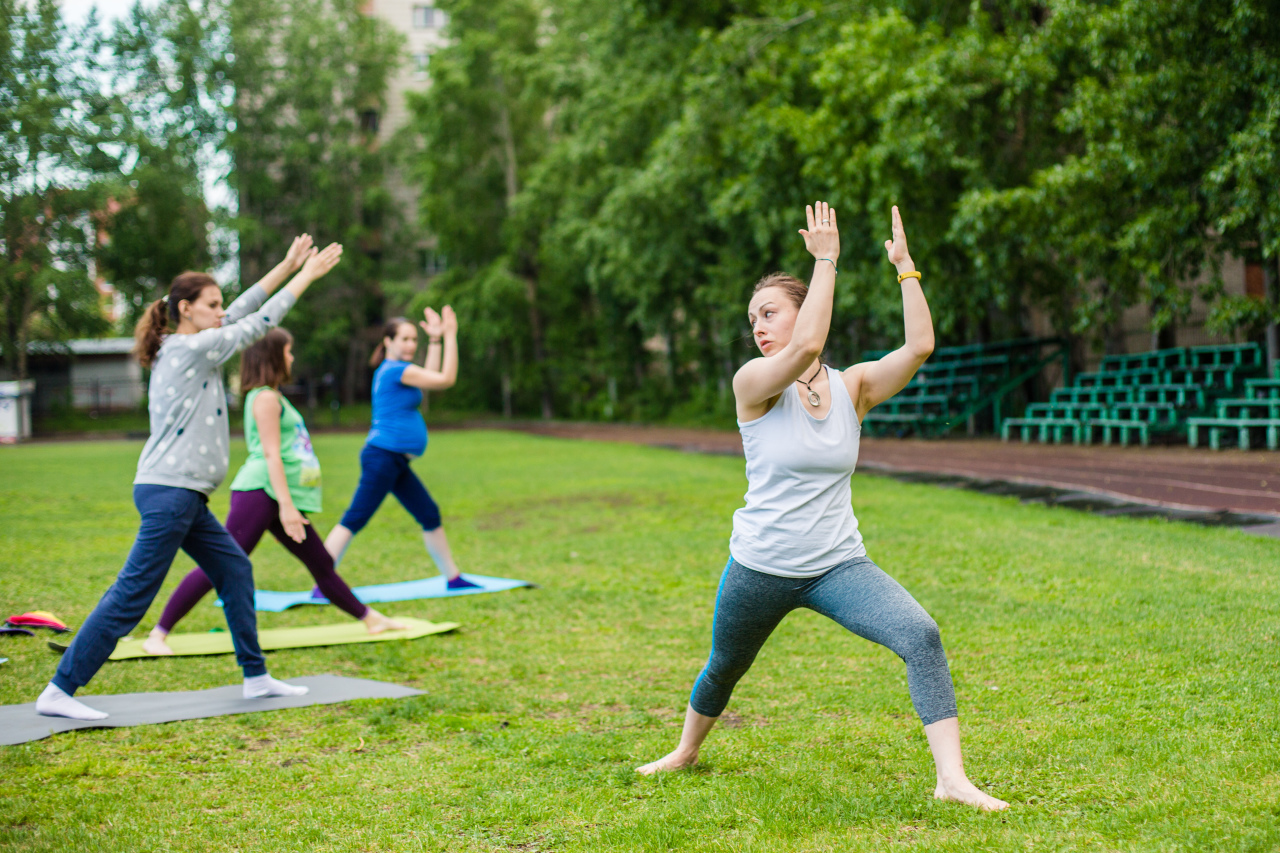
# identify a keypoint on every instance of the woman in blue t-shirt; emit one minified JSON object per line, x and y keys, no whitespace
{"x":399,"y":434}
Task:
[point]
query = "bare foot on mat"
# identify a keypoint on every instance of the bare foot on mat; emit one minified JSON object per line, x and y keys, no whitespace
{"x":376,"y":623}
{"x":157,"y":643}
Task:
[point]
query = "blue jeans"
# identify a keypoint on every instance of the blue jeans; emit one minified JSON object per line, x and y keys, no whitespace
{"x":172,"y":518}
{"x":857,"y":595}
{"x":382,"y":471}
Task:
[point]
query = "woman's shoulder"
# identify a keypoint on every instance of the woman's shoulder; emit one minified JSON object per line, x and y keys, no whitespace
{"x":264,"y":396}
{"x":391,"y":369}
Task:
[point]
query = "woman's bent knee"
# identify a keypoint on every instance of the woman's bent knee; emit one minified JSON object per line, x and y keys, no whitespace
{"x":923,"y":638}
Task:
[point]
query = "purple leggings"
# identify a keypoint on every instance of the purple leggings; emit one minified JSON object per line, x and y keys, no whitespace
{"x":252,"y":514}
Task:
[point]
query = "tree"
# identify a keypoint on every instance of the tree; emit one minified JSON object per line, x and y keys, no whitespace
{"x":309,"y":82}
{"x":481,"y":126}
{"x":166,"y":65}
{"x":55,"y":153}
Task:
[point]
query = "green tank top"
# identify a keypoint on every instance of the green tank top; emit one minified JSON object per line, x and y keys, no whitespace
{"x":301,"y":467}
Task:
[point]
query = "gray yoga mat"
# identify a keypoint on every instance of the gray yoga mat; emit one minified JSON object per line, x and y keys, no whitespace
{"x":21,"y":723}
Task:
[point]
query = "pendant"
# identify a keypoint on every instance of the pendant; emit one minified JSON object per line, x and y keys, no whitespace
{"x":814,"y":399}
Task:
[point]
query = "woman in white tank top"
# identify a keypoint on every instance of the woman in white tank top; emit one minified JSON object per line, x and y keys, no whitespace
{"x":796,"y":542}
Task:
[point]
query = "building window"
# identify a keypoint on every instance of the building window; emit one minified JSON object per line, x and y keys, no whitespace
{"x":426,"y":17}
{"x":1255,"y":281}
{"x":431,"y":262}
{"x":369,"y":121}
{"x":421,"y":64}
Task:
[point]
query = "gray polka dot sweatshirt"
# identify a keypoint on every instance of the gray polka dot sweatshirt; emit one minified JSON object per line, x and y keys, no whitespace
{"x":190,"y":435}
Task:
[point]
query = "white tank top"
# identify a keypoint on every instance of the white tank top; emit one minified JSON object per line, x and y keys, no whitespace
{"x":798,"y":521}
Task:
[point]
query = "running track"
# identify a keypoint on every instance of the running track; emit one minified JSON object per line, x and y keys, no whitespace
{"x":1240,"y":481}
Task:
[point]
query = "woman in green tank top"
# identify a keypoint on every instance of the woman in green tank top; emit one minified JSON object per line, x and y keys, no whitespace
{"x":277,"y":485}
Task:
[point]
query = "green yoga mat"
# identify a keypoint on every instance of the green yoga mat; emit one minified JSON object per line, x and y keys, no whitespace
{"x":219,"y":643}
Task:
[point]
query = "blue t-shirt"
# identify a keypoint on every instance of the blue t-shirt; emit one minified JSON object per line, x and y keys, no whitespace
{"x":397,"y":417}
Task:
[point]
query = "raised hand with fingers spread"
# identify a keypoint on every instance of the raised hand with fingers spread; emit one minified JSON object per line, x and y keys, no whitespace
{"x":299,"y":250}
{"x":822,"y":238}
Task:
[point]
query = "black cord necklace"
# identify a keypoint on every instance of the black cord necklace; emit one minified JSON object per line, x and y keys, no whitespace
{"x":814,"y":399}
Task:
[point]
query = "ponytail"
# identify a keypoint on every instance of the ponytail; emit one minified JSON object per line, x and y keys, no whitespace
{"x":389,"y":330}
{"x":149,"y":333}
{"x":153,"y":327}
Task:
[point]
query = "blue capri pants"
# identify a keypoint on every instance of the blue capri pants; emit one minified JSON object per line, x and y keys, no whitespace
{"x":383,"y":472}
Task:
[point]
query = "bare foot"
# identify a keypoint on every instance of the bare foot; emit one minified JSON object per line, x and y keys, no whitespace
{"x":156,"y":643}
{"x":966,"y":792}
{"x":376,"y":623}
{"x":674,"y":761}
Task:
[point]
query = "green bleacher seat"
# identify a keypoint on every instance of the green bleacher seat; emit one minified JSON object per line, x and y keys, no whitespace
{"x":1204,"y":376}
{"x":1262,"y":388}
{"x":1248,"y":408}
{"x":1105,"y":396}
{"x":1077,"y":411}
{"x":1120,"y":378}
{"x":933,"y":406}
{"x":1248,"y":356}
{"x":1160,"y":359}
{"x":1046,"y":428}
{"x":1154,"y":415}
{"x":1163,"y":392}
{"x":1123,"y":430}
{"x":1242,"y":426}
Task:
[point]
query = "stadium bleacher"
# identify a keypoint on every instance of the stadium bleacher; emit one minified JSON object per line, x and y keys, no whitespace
{"x":1191,"y":391}
{"x":964,"y":387}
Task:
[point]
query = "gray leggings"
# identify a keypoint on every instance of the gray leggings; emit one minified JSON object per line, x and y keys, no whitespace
{"x":857,"y":595}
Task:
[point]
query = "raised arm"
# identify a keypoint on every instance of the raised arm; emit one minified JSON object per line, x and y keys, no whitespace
{"x":761,"y":379}
{"x":219,"y":344}
{"x":299,"y":250}
{"x":266,"y":414}
{"x":877,"y":381}
{"x":428,"y":378}
{"x":433,"y":325}
{"x":251,"y":300}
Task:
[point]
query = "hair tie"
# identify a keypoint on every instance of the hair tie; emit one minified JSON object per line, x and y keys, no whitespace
{"x":165,"y":299}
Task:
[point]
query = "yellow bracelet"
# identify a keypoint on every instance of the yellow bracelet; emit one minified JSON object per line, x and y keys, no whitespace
{"x":906,"y":275}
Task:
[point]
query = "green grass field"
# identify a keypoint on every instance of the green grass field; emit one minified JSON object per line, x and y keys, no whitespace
{"x":1117,"y":679}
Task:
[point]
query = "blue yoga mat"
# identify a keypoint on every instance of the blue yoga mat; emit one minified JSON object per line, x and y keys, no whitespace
{"x":277,"y":602}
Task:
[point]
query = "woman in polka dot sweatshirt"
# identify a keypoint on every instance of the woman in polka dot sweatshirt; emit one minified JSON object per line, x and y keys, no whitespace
{"x":182,"y":463}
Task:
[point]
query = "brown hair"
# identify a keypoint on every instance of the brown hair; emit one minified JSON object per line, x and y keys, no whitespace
{"x":795,"y":289}
{"x":262,"y":363}
{"x":153,"y":326}
{"x":389,"y":330}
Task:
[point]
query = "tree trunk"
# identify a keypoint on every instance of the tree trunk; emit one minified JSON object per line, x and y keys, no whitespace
{"x":355,"y":360}
{"x":530,"y":275}
{"x":1273,"y":334}
{"x":539,"y":350}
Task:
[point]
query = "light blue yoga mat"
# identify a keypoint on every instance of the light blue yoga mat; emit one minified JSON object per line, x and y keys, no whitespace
{"x":277,"y":602}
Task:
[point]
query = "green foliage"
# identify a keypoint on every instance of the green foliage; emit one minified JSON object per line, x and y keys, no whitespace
{"x":1078,"y":158}
{"x":302,"y":75}
{"x":1109,"y":673}
{"x":165,"y":64}
{"x":56,"y":132}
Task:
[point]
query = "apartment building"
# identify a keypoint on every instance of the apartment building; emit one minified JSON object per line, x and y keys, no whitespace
{"x":422,"y":25}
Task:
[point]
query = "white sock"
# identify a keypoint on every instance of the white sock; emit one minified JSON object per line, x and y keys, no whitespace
{"x":56,"y":702}
{"x":262,"y":686}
